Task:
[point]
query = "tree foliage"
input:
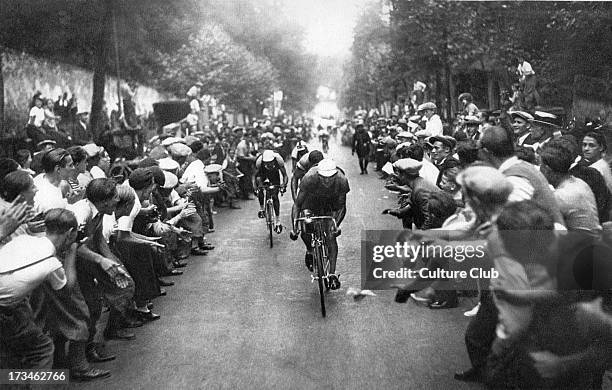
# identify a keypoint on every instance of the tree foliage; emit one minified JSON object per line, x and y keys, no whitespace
{"x":434,"y":40}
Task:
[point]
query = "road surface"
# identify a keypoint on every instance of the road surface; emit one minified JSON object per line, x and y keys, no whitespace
{"x":247,"y":316}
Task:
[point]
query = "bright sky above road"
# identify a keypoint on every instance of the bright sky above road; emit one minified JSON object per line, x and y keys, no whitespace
{"x":329,"y":23}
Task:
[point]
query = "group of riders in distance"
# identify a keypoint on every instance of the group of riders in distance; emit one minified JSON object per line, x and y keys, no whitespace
{"x":318,"y":189}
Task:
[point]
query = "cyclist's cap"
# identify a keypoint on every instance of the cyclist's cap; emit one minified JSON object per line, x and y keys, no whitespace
{"x":267,"y":156}
{"x":168,"y":164}
{"x":315,"y":157}
{"x":171,"y":180}
{"x":327,"y":167}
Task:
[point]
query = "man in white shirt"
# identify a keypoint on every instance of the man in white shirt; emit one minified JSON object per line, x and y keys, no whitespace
{"x":433,"y":126}
{"x":27,"y":262}
{"x":57,"y":166}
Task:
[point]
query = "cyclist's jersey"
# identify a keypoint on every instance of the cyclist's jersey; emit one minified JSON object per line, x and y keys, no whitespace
{"x":273,"y":174}
{"x":321,"y":199}
{"x":323,"y":134}
{"x":304,"y":166}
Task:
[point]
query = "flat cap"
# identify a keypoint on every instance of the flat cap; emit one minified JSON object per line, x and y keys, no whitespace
{"x":427,"y":106}
{"x":179,"y":150}
{"x":485,"y":183}
{"x":171,"y":141}
{"x":168,"y":164}
{"x":405,"y":134}
{"x":521,"y":114}
{"x":408,"y":165}
{"x":444,"y":139}
{"x":141,"y":178}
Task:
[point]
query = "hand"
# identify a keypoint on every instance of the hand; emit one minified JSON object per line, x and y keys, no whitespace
{"x":548,"y":365}
{"x":36,"y":226}
{"x":13,"y":216}
{"x":119,"y":275}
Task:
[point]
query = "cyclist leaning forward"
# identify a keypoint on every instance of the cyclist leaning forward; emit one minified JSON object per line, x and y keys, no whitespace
{"x":322,"y":191}
{"x":270,"y":165}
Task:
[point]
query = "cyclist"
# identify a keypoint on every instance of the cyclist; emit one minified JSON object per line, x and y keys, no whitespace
{"x":307,"y":161}
{"x":298,"y":151}
{"x":322,"y":191}
{"x":324,"y":138}
{"x":270,"y":165}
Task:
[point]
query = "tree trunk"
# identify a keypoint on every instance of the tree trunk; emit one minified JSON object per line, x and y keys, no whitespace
{"x":491,"y":91}
{"x":451,"y":95}
{"x":1,"y":94}
{"x":439,"y":98}
{"x":101,"y":53}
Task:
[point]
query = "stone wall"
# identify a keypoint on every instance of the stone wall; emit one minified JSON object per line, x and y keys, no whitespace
{"x":25,"y":74}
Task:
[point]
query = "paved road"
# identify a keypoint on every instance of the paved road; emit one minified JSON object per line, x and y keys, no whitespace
{"x":247,"y":317}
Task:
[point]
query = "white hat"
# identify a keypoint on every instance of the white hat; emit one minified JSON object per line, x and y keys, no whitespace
{"x":427,"y":106}
{"x":327,"y":167}
{"x":267,"y":156}
{"x":213,"y":168}
{"x":170,"y":180}
{"x":408,"y":165}
{"x":168,"y":164}
{"x":93,"y":150}
{"x":521,"y":114}
{"x":402,"y":145}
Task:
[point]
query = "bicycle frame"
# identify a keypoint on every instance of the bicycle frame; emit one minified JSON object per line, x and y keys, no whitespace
{"x":269,"y":208}
{"x":321,"y":265}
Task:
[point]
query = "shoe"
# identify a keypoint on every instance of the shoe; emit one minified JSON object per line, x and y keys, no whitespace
{"x":308,"y":260}
{"x":365,"y":171}
{"x":278,"y":228}
{"x":424,"y":296}
{"x":473,"y":312}
{"x":449,"y":304}
{"x":178,"y":264}
{"x":207,"y":247}
{"x":293,"y":235}
{"x":182,"y":257}
{"x":334,"y":282}
{"x":361,"y":173}
{"x":148,"y":316}
{"x":95,"y":356}
{"x":198,"y":252}
{"x":132,"y":323}
{"x":402,"y":295}
{"x":174,"y":272}
{"x":471,"y":375}
{"x":211,"y":230}
{"x":165,"y":283}
{"x":162,"y":292}
{"x":119,"y":334}
{"x":89,"y":375}
{"x":261,"y":214}
{"x":150,"y":305}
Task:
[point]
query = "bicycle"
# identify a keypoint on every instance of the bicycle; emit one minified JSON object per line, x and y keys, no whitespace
{"x":269,"y":207}
{"x":317,"y":227}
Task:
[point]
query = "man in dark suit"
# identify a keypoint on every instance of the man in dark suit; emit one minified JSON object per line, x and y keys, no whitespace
{"x":442,"y":154}
{"x":80,"y":132}
{"x":413,"y":203}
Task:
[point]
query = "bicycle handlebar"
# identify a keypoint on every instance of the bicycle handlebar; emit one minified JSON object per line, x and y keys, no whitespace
{"x":320,"y":218}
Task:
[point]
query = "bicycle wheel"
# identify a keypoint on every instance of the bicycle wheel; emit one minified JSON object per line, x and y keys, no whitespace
{"x":320,"y":274}
{"x":269,"y":212}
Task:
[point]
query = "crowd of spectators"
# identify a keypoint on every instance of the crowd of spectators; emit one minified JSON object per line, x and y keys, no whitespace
{"x":536,"y":194}
{"x":110,"y":234}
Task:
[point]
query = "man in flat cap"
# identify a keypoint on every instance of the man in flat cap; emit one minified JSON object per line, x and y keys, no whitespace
{"x":521,"y":124}
{"x":43,"y":147}
{"x":442,"y":148}
{"x":433,"y":125}
{"x":415,"y":191}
